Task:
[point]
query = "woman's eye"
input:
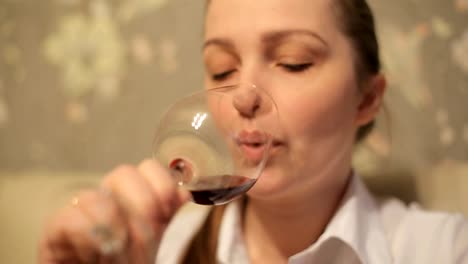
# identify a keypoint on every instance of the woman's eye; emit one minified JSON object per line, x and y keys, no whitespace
{"x":222,"y":76}
{"x":296,"y":67}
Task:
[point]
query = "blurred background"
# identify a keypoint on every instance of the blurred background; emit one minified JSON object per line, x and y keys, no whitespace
{"x":84,"y":82}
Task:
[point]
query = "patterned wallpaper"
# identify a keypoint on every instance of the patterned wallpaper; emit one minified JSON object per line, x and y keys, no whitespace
{"x":83,"y":82}
{"x":424,"y":131}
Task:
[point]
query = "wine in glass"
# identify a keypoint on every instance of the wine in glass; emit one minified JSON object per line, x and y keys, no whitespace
{"x":216,"y":142}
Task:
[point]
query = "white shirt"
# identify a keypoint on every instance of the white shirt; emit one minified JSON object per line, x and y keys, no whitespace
{"x":362,"y":231}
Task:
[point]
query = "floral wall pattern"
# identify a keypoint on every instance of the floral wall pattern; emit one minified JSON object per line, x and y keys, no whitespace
{"x":423,"y":135}
{"x":83,"y":82}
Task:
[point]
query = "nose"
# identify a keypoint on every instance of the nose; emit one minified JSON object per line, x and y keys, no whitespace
{"x":247,"y":102}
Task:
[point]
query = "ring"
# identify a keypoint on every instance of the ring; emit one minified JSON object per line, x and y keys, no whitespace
{"x":108,"y":243}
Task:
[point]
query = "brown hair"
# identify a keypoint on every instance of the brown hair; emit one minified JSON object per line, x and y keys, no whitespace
{"x":203,"y":247}
{"x":356,"y":21}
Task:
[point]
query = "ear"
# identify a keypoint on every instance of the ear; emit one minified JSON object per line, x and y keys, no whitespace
{"x":371,"y":99}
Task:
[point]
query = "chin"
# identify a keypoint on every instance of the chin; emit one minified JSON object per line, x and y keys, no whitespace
{"x":273,"y":182}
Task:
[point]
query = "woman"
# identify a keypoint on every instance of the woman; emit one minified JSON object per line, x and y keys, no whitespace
{"x":319,"y":61}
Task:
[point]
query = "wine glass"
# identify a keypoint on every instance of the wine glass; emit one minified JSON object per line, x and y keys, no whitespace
{"x":216,"y":142}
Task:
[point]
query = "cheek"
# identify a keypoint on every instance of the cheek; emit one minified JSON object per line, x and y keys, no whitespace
{"x":324,"y":109}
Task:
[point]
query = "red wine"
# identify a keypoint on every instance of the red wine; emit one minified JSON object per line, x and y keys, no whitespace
{"x":220,"y":189}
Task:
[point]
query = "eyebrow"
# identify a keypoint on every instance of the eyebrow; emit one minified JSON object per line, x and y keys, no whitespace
{"x":278,"y":36}
{"x":225,"y":43}
{"x":271,"y":37}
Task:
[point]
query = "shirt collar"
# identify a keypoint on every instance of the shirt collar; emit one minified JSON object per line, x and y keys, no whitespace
{"x":231,"y":245}
{"x":356,"y":224}
{"x":355,"y":228}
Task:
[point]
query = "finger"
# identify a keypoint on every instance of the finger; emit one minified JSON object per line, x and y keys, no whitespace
{"x":108,"y":223}
{"x":130,"y":190}
{"x":92,"y":226}
{"x":52,"y":253}
{"x":68,"y":238}
{"x":120,"y":258}
{"x":168,"y":194}
{"x":140,"y":206}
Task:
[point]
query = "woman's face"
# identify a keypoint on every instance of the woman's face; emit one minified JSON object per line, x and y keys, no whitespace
{"x":295,"y":51}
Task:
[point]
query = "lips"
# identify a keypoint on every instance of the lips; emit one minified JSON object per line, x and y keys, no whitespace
{"x":253,"y":144}
{"x":252,"y":138}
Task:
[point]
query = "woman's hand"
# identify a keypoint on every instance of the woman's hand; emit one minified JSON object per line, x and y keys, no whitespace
{"x":122,"y":222}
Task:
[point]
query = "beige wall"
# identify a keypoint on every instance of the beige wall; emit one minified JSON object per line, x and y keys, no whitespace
{"x":83,"y":83}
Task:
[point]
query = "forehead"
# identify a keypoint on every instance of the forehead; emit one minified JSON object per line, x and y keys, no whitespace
{"x":243,"y":16}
